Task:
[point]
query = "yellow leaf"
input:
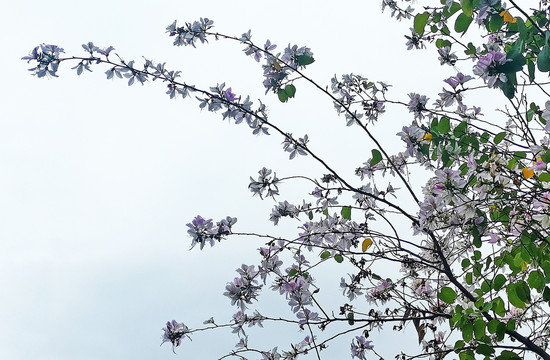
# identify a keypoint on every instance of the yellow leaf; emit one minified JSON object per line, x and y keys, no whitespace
{"x":427,"y":137}
{"x":528,"y":173}
{"x":366,"y":243}
{"x":508,"y":17}
{"x":524,"y":266}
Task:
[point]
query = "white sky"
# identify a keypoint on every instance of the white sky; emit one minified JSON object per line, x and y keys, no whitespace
{"x":97,"y":180}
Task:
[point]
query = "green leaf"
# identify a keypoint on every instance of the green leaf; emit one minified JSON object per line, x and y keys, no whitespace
{"x":292,"y":272}
{"x":477,"y":241}
{"x":469,"y":278}
{"x":486,"y":286}
{"x":531,"y":70}
{"x":485,"y":349}
{"x":447,"y":295}
{"x":520,"y":27}
{"x":508,"y":355}
{"x":477,"y":255}
{"x":479,"y":329}
{"x":420,"y":21}
{"x":498,"y":306}
{"x":499,"y":137}
{"x":310,"y":215}
{"x":545,"y":265}
{"x":520,"y":154}
{"x":440,"y":43}
{"x":325,"y":255}
{"x":536,"y":279}
{"x":523,"y":291}
{"x":290,"y":90}
{"x":501,"y":331}
{"x":467,"y":355}
{"x":514,"y":62}
{"x":450,"y":12}
{"x":544,"y":176}
{"x":460,"y":129}
{"x":444,"y":125}
{"x":546,"y":156}
{"x":489,"y":259}
{"x":376,"y":157}
{"x":339,"y":258}
{"x":346,"y":212}
{"x":467,"y":7}
{"x":351,"y":321}
{"x":498,"y":282}
{"x":304,"y":60}
{"x":543,"y":60}
{"x":508,"y":89}
{"x":513,"y":296}
{"x":484,"y":137}
{"x":468,"y":332}
{"x":283,"y":97}
{"x":459,"y":345}
{"x":511,"y":325}
{"x":471,"y":50}
{"x":462,"y":23}
{"x":495,"y":23}
{"x":445,"y":158}
{"x":492,"y":326}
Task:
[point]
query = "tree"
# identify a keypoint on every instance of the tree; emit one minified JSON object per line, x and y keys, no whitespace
{"x":475,"y":263}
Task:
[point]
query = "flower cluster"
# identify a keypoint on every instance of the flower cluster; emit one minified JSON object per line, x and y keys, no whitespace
{"x":240,"y":319}
{"x":323,"y":198}
{"x":253,"y":50}
{"x":283,"y":209}
{"x":359,"y":347}
{"x":296,"y":292}
{"x":47,"y":58}
{"x":266,"y":185}
{"x":242,"y":290}
{"x":278,"y":67}
{"x":190,"y":32}
{"x":415,"y":41}
{"x":355,"y":89}
{"x":332,"y":232}
{"x":488,"y":68}
{"x":270,"y":263}
{"x":351,"y":290}
{"x":174,"y":332}
{"x":446,"y":56}
{"x":295,"y":147}
{"x":417,"y":105}
{"x":220,"y":98}
{"x":203,"y":231}
{"x":396,"y":11}
{"x":380,"y":292}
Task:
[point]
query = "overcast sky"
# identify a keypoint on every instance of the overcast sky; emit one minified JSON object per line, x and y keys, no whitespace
{"x":98,"y":179}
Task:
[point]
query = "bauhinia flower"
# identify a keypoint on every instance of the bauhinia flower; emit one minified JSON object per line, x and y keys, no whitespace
{"x":359,"y":347}
{"x":488,"y":68}
{"x":174,"y":332}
